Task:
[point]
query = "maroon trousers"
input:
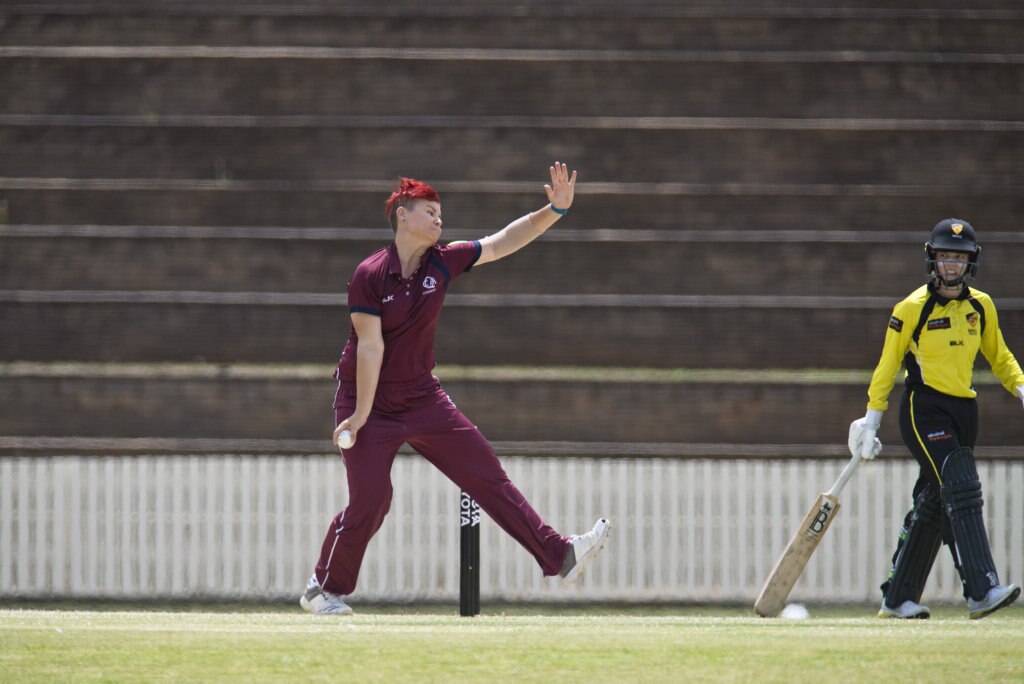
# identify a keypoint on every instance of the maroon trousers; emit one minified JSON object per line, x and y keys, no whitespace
{"x":432,"y":425}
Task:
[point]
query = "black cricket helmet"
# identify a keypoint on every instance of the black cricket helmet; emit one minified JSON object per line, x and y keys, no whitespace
{"x":952,"y":235}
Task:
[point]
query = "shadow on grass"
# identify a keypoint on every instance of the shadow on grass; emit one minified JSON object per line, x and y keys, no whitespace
{"x":495,"y":609}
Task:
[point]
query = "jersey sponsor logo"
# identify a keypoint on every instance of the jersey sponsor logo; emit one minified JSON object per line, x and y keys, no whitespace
{"x":389,"y":298}
{"x":939,"y":324}
{"x":956,"y":343}
{"x":429,"y":284}
{"x":896,"y":324}
{"x":940,"y":435}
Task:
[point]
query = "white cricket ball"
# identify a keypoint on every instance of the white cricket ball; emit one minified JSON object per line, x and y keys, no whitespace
{"x":345,"y":439}
{"x":795,"y":611}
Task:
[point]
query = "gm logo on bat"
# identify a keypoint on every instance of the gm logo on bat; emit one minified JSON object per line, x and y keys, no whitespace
{"x":821,"y":520}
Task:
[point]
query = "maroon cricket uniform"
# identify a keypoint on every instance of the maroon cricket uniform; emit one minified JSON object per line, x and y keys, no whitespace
{"x":410,"y":406}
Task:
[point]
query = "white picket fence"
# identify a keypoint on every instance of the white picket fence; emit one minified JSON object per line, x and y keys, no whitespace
{"x":250,"y":527}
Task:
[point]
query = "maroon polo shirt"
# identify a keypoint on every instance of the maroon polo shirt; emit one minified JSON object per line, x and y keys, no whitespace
{"x":409,"y":308}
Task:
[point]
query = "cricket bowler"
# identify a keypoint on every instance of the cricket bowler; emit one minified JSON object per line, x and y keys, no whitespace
{"x":388,"y":396}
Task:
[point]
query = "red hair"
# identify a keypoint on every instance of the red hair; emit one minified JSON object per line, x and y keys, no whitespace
{"x":408,"y":190}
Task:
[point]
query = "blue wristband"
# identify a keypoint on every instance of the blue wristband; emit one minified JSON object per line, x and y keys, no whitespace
{"x":560,"y":212}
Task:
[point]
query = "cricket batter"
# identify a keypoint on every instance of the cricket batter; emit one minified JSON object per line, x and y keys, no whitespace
{"x":936,"y":333}
{"x":387,"y":394}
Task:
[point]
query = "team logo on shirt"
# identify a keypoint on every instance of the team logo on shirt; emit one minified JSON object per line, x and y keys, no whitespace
{"x":896,"y":324}
{"x":429,"y":284}
{"x":972,"y":320}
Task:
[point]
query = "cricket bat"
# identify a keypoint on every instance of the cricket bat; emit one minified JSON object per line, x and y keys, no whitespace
{"x":801,"y":547}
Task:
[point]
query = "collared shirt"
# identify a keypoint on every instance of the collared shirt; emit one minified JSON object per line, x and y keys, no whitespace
{"x":937,"y":340}
{"x":409,"y":308}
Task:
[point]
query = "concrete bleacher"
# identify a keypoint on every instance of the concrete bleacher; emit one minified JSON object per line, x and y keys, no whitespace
{"x":284,"y":404}
{"x":193,"y":184}
{"x":914,"y":25}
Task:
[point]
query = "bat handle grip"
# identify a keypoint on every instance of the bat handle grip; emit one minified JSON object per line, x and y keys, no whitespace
{"x":844,"y":476}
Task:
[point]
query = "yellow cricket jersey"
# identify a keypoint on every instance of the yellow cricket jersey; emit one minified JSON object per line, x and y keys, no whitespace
{"x":937,"y":340}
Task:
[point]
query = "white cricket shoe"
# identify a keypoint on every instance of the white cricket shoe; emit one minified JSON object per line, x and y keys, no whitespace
{"x":908,"y":610}
{"x":996,"y":598}
{"x":584,"y":548}
{"x":319,"y":602}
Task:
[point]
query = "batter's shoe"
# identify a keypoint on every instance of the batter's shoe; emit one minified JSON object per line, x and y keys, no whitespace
{"x":583,"y":549}
{"x":319,"y":602}
{"x":996,"y":598}
{"x":908,"y":610}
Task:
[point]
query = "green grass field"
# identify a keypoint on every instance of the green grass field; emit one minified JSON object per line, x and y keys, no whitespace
{"x":600,"y":644}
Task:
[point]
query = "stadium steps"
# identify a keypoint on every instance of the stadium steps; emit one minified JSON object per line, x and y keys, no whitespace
{"x":181,"y":291}
{"x":519,"y":329}
{"x":590,"y":330}
{"x":990,"y":27}
{"x":127,"y":446}
{"x":490,"y":203}
{"x":625,"y":406}
{"x":776,"y":86}
{"x":337,"y":148}
{"x":15,"y":446}
{"x":161,"y":80}
{"x":584,"y":260}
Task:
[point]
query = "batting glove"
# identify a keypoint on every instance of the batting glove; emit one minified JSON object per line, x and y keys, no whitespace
{"x":863,"y":439}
